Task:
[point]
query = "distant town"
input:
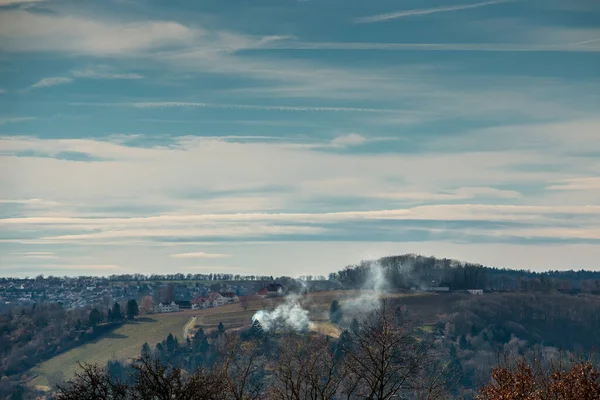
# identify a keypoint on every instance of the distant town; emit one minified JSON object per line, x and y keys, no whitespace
{"x":156,"y":294}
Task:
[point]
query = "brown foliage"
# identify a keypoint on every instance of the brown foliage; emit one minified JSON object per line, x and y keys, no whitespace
{"x":531,"y":381}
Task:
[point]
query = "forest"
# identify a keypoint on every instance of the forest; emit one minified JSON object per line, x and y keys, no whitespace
{"x":381,"y":355}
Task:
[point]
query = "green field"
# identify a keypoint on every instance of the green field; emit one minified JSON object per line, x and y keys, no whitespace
{"x":126,"y":341}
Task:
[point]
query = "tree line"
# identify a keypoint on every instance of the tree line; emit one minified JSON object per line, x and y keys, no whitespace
{"x":415,"y":271}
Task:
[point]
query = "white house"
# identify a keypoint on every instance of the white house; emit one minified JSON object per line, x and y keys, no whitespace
{"x":201,"y":303}
{"x":217,"y":300}
{"x":165,"y":308}
{"x":230,"y":297}
{"x":476,"y":292}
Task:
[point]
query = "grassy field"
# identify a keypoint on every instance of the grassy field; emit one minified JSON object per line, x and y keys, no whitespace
{"x":126,"y":341}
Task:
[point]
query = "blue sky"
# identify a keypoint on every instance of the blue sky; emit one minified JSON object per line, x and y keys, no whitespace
{"x":296,"y":137}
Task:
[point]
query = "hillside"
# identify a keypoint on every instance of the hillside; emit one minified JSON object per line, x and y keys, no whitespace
{"x":126,"y":341}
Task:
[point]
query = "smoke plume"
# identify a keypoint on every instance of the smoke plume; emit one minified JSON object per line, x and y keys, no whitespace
{"x":289,"y":315}
{"x":370,"y":298}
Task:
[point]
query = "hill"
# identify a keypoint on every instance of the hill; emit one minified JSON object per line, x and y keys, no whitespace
{"x":126,"y":341}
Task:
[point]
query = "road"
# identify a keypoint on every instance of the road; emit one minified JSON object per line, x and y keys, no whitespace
{"x":188,"y":326}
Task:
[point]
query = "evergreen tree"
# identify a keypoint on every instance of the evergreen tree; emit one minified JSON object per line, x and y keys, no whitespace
{"x":171,"y":344}
{"x":146,"y":351}
{"x":335,"y":312}
{"x":132,"y":309}
{"x":117,"y":315}
{"x":221,"y":328}
{"x":256,"y":331}
{"x":95,"y":317}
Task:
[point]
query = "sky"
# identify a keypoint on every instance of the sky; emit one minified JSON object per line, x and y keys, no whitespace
{"x":294,"y":137}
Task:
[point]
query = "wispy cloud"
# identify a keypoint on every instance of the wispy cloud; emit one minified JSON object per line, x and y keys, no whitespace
{"x":49,"y":82}
{"x":4,"y":3}
{"x":483,"y":47}
{"x":103,"y":72}
{"x":592,"y":183}
{"x":424,"y":11}
{"x":183,"y":104}
{"x":200,"y":255}
{"x":13,"y":120}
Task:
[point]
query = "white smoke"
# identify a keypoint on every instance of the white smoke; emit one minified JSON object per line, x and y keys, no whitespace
{"x":289,"y":315}
{"x":370,"y":297}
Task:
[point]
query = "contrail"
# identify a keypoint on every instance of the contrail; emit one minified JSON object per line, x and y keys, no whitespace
{"x":423,"y":11}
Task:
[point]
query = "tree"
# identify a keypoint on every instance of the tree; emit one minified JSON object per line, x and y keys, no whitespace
{"x":151,"y":380}
{"x":146,"y":351}
{"x":132,"y":309}
{"x":256,"y":330}
{"x":171,"y":344}
{"x":116,"y":313}
{"x":96,"y":317}
{"x":245,"y":303}
{"x":530,"y":380}
{"x":221,"y":328}
{"x":335,"y":312}
{"x":147,"y":304}
{"x":386,"y":361}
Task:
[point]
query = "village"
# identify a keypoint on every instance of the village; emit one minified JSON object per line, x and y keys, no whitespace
{"x":216,"y":299}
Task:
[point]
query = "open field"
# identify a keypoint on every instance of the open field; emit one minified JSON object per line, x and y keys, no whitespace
{"x":126,"y":341}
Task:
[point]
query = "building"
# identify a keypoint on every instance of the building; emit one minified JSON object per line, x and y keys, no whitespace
{"x":184,"y":304}
{"x":275,"y":290}
{"x":166,"y":308}
{"x":200,"y":303}
{"x":230,"y":297}
{"x":216,"y":299}
{"x":475,"y":292}
{"x":437,"y":289}
{"x":262,"y":293}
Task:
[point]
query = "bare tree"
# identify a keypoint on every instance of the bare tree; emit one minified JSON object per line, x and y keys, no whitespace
{"x":242,"y":367}
{"x":245,"y":303}
{"x":152,"y":380}
{"x":387,"y":360}
{"x":307,"y":369}
{"x":92,"y":383}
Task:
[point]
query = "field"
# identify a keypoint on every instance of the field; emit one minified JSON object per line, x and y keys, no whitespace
{"x":126,"y":341}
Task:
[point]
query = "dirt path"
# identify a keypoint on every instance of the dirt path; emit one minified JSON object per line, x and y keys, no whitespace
{"x":188,"y":326}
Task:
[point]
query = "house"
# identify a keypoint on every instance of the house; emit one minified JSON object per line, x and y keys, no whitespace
{"x":200,"y":303}
{"x":275,"y":290}
{"x":475,"y":292}
{"x":230,"y":297}
{"x":262,"y":293}
{"x":216,"y":299}
{"x":165,"y":308}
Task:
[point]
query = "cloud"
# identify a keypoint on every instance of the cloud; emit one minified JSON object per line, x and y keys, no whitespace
{"x":14,"y":120}
{"x":200,"y":255}
{"x":592,"y":183}
{"x":2,"y":91}
{"x":462,"y":193}
{"x":424,"y":11}
{"x":180,"y":104}
{"x":103,"y":72}
{"x":352,"y":139}
{"x":471,"y":47}
{"x":4,"y":3}
{"x":21,"y":30}
{"x":49,"y":82}
{"x":30,"y":202}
